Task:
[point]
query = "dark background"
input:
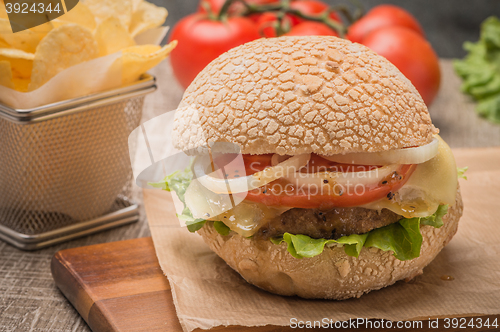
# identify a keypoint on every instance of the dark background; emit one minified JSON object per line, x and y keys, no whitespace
{"x":447,"y":23}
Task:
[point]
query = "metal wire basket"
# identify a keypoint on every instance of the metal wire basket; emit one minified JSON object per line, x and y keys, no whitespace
{"x":67,"y":163}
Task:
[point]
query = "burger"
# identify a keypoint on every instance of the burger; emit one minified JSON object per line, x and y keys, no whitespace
{"x":317,"y":170}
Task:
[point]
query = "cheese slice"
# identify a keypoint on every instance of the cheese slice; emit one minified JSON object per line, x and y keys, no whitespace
{"x":431,"y":184}
{"x":245,"y":218}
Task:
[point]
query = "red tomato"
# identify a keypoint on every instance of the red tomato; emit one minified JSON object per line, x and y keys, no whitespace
{"x":310,"y":7}
{"x":309,"y":28}
{"x":258,"y":162}
{"x":214,"y":5}
{"x":267,"y":23}
{"x":383,"y":16}
{"x":413,"y":56}
{"x":277,"y":194}
{"x":262,"y":2}
{"x":201,"y":40}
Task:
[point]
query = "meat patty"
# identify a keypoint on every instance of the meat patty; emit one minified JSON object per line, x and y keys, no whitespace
{"x":330,"y":224}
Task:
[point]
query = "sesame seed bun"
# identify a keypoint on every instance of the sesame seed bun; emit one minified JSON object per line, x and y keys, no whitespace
{"x":294,"y":95}
{"x":332,"y":274}
{"x":323,"y":95}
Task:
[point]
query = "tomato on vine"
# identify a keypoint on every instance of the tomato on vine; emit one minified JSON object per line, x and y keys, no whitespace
{"x":411,"y":54}
{"x":308,"y":28}
{"x":221,"y":25}
{"x":311,"y":7}
{"x":383,"y":16}
{"x":214,"y":6}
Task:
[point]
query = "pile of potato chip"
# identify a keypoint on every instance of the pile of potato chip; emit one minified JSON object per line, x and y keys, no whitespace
{"x":92,"y":29}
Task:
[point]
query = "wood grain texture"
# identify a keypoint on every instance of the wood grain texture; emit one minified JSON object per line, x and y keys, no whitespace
{"x":29,"y":300}
{"x":117,"y":286}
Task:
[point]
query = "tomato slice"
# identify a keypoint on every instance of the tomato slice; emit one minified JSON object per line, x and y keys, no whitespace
{"x":320,"y":164}
{"x":283,"y":193}
{"x":299,"y":198}
{"x":257,"y":163}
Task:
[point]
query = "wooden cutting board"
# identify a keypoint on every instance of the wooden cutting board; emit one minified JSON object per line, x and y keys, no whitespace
{"x":119,"y":286}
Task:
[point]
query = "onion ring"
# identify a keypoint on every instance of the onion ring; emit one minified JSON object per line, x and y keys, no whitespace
{"x":217,"y":183}
{"x":406,"y":156}
{"x":344,"y":179}
{"x":276,"y":159}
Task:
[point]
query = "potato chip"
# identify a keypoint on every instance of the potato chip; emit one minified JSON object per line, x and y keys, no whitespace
{"x":26,"y":40}
{"x":137,"y":60}
{"x":135,"y":4}
{"x":58,"y":23}
{"x":3,"y":12}
{"x":80,"y":15}
{"x":21,"y":84}
{"x":102,"y":9}
{"x":147,"y":16}
{"x":21,"y":62}
{"x":142,"y":49}
{"x":63,"y":47}
{"x":6,"y":74}
{"x":111,"y":36}
{"x":42,"y":30}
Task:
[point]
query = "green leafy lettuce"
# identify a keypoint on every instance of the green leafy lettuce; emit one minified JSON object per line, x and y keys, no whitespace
{"x":480,"y":70}
{"x":179,"y":182}
{"x":461,"y":172}
{"x":300,"y":246}
{"x":221,"y":228}
{"x":403,"y":238}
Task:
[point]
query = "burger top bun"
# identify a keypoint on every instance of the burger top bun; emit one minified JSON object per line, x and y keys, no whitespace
{"x":293,"y":95}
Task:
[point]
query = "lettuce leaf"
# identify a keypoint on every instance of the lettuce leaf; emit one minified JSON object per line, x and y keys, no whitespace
{"x":221,"y":228}
{"x":300,"y":246}
{"x":461,"y":172}
{"x":435,"y":220}
{"x":192,"y":224}
{"x":480,"y":70}
{"x":403,"y":238}
{"x":179,"y":182}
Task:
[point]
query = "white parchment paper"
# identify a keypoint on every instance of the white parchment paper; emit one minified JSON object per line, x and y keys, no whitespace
{"x":207,"y":293}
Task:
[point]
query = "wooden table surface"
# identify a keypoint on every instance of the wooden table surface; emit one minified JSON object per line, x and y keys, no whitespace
{"x":29,"y":300}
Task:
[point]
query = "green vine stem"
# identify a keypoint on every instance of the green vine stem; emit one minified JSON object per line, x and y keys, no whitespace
{"x":322,"y":18}
{"x":283,"y":7}
{"x":209,"y":10}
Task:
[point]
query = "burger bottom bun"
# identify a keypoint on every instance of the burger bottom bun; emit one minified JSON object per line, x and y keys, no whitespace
{"x":332,"y":274}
